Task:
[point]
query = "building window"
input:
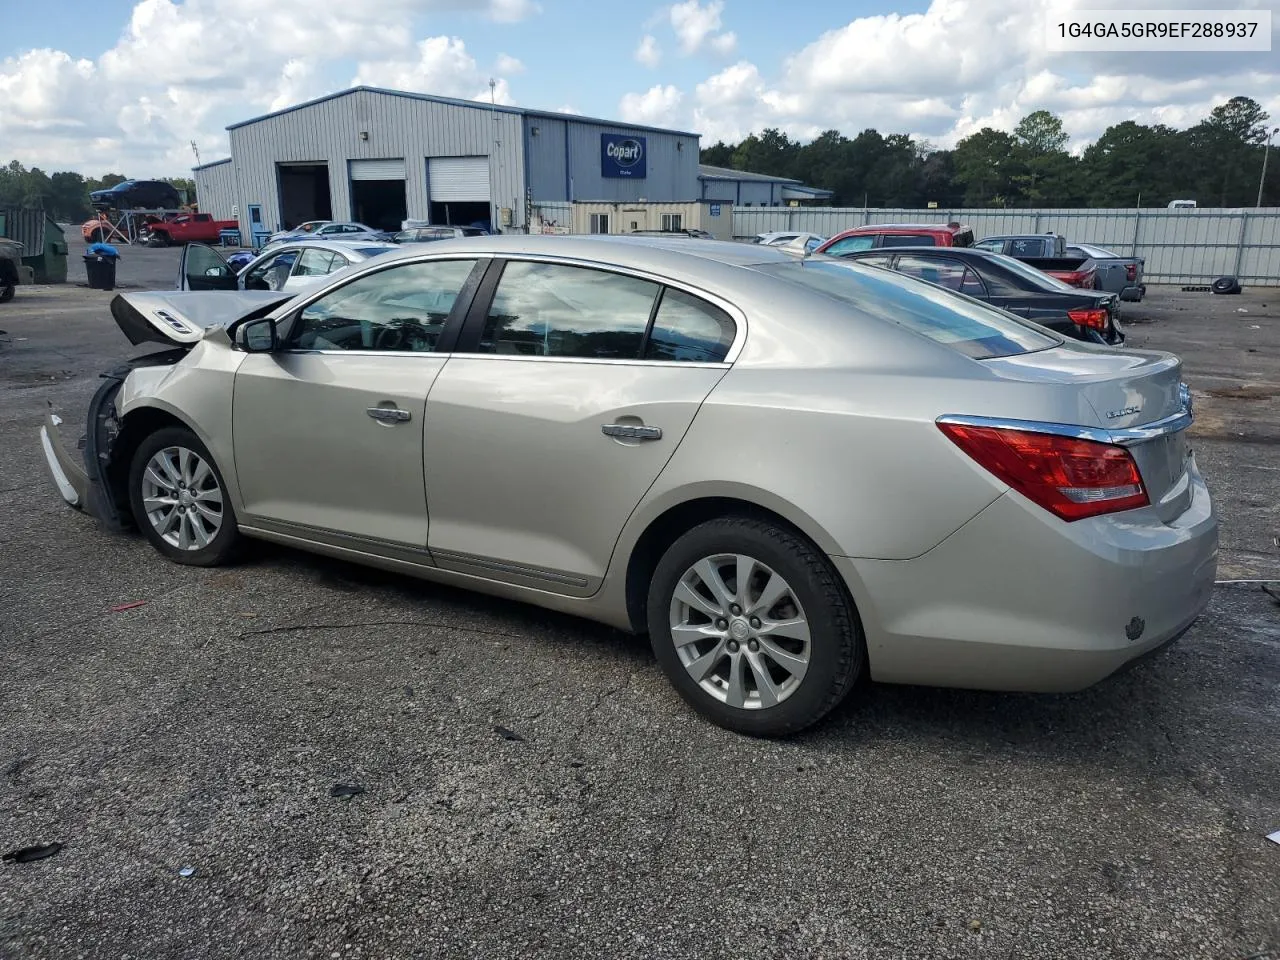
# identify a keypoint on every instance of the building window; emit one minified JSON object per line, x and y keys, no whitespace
{"x":671,"y":221}
{"x":599,"y":223}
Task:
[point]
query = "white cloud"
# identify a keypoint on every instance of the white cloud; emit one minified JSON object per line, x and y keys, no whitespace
{"x":508,"y":64}
{"x":511,"y":11}
{"x":648,"y":51}
{"x":443,"y":67}
{"x":657,"y":106}
{"x":697,"y":25}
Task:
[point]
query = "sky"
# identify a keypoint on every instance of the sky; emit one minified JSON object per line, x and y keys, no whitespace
{"x":125,"y":86}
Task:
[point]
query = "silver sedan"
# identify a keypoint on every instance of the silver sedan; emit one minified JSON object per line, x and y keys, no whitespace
{"x":790,"y":471}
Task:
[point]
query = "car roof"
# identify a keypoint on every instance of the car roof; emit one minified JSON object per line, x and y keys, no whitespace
{"x":964,"y":253}
{"x":345,"y":247}
{"x":913,"y":227}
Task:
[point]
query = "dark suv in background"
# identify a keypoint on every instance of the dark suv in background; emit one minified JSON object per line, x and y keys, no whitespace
{"x":134,"y":194}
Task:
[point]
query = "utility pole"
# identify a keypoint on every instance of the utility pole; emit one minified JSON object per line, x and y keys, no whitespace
{"x":1265,"y":150}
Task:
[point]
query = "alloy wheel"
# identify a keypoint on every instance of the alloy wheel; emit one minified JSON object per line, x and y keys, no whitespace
{"x":182,"y":498}
{"x":740,"y":631}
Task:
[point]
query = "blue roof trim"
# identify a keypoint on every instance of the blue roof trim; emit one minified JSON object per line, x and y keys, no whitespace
{"x":211,"y":163}
{"x":451,"y":101}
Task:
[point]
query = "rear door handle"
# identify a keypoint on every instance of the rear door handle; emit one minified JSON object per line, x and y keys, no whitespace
{"x":630,"y":431}
{"x":389,"y":414}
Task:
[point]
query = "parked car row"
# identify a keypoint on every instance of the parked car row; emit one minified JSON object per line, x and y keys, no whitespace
{"x":940,"y":491}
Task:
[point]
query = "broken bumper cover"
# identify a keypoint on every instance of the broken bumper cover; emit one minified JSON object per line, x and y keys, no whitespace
{"x":67,"y":471}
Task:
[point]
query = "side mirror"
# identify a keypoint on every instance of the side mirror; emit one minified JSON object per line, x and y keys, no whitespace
{"x":258,"y":336}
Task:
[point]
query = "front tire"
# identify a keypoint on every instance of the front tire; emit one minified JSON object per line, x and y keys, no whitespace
{"x":6,"y":292}
{"x":753,"y":627}
{"x":180,"y":500}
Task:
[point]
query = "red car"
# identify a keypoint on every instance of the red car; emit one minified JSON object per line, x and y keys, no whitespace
{"x":877,"y":235}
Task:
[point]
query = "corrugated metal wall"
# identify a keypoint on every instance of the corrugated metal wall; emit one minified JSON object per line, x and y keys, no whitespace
{"x":671,"y":173}
{"x":216,"y":189}
{"x":1180,"y":246}
{"x":398,"y":127}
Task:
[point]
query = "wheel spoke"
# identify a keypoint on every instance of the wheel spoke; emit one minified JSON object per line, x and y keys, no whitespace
{"x":794,"y":664}
{"x":701,"y":668}
{"x":163,"y":482}
{"x":774,"y":590}
{"x":797,"y":629}
{"x":151,"y":504}
{"x":198,"y":531}
{"x":710,"y":576}
{"x":687,"y":633}
{"x":764,"y":682}
{"x":170,"y":470}
{"x":212,"y":495}
{"x":687,"y":594}
{"x":213,"y":516}
{"x":166,"y":522}
{"x":184,"y":531}
{"x":199,"y":474}
{"x":737,"y":692}
{"x":746,"y":568}
{"x":184,"y":464}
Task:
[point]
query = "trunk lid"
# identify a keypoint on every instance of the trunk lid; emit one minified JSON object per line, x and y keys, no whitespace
{"x":182,"y":317}
{"x":1128,"y":392}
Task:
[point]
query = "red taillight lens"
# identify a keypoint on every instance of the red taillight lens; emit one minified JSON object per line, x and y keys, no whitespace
{"x":1131,"y":271}
{"x":1089,"y":318}
{"x":1069,"y":477}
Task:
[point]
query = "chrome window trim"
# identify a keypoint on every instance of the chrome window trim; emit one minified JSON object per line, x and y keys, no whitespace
{"x":699,"y":364}
{"x":739,"y":317}
{"x":1126,"y":437}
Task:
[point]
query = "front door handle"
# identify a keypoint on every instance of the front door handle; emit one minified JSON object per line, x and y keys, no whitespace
{"x":631,"y":431}
{"x":389,"y":414}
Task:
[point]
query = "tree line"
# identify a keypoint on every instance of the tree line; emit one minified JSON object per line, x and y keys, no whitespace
{"x":63,"y":195}
{"x":1217,"y":163}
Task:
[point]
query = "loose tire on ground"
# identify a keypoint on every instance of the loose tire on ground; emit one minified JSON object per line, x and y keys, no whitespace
{"x":1225,"y":285}
{"x":753,"y":624}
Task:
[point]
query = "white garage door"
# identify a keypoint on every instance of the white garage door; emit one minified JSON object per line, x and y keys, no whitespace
{"x":458,"y":178}
{"x":377,"y":169}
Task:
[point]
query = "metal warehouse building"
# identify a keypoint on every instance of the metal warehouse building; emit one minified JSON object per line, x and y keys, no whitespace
{"x":383,"y":156}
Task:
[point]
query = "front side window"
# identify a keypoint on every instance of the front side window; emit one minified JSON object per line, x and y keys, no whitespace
{"x":995,"y":246}
{"x":972,"y":284}
{"x":851,"y":245}
{"x":401,"y":309}
{"x":689,"y":329}
{"x":552,"y":310}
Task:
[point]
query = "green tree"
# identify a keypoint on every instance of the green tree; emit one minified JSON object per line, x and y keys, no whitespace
{"x":985,"y":166}
{"x":719,"y":154}
{"x":1041,"y":133}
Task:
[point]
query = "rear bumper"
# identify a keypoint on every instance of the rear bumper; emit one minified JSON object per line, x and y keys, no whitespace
{"x":1018,"y":600}
{"x":68,"y":473}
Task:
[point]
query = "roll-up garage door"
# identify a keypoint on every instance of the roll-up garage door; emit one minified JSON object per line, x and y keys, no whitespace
{"x":458,"y":178}
{"x":377,"y":169}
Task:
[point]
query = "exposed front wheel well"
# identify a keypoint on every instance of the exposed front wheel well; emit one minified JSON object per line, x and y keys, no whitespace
{"x":668,"y":528}
{"x":134,"y":429}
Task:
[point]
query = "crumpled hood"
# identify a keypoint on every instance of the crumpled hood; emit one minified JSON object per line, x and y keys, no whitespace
{"x":182,"y":317}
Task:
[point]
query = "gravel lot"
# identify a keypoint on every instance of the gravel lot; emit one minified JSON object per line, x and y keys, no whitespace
{"x":207,"y":728}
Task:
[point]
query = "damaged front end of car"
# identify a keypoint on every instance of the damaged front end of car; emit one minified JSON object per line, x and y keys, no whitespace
{"x":92,"y":478}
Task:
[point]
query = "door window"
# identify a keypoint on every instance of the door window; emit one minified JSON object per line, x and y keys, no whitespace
{"x":1026,"y":248}
{"x":995,"y":246}
{"x":877,"y":260}
{"x":944,"y":273}
{"x":689,"y":329}
{"x":907,"y":240}
{"x":972,"y":285}
{"x":314,"y":263}
{"x":272,"y":272}
{"x":401,"y":309}
{"x":851,"y":245}
{"x":204,"y":264}
{"x":551,"y":310}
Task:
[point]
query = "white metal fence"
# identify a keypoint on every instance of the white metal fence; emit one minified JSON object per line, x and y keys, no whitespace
{"x":1180,"y":246}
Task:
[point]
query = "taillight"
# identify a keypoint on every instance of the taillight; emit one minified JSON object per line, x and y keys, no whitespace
{"x":1131,"y":271}
{"x":1069,"y":477}
{"x":1095,"y":318}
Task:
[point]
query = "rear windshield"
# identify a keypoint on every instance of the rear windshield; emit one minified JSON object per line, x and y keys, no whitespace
{"x":964,"y":325}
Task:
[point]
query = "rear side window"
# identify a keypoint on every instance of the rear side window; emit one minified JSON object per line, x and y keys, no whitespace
{"x":552,"y":310}
{"x":688,"y":329}
{"x":898,"y":240}
{"x":973,"y":329}
{"x":1027,"y":248}
{"x":850,"y":245}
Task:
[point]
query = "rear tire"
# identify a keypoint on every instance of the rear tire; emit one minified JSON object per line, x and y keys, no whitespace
{"x":767,"y":656}
{"x":180,"y":501}
{"x":6,"y":292}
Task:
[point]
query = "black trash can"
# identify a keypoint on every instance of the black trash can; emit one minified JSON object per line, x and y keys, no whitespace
{"x":101,"y":271}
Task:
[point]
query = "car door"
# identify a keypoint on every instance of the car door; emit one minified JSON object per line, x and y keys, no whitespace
{"x":204,"y":268}
{"x":328,"y":431}
{"x":570,"y":390}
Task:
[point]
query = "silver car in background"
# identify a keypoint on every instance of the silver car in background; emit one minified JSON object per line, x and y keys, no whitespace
{"x":790,"y":471}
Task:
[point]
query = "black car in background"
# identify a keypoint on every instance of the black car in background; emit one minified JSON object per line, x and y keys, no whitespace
{"x":137,"y":194}
{"x":1002,"y":281}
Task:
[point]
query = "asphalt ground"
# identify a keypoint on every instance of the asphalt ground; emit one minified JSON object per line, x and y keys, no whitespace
{"x":208,"y":727}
